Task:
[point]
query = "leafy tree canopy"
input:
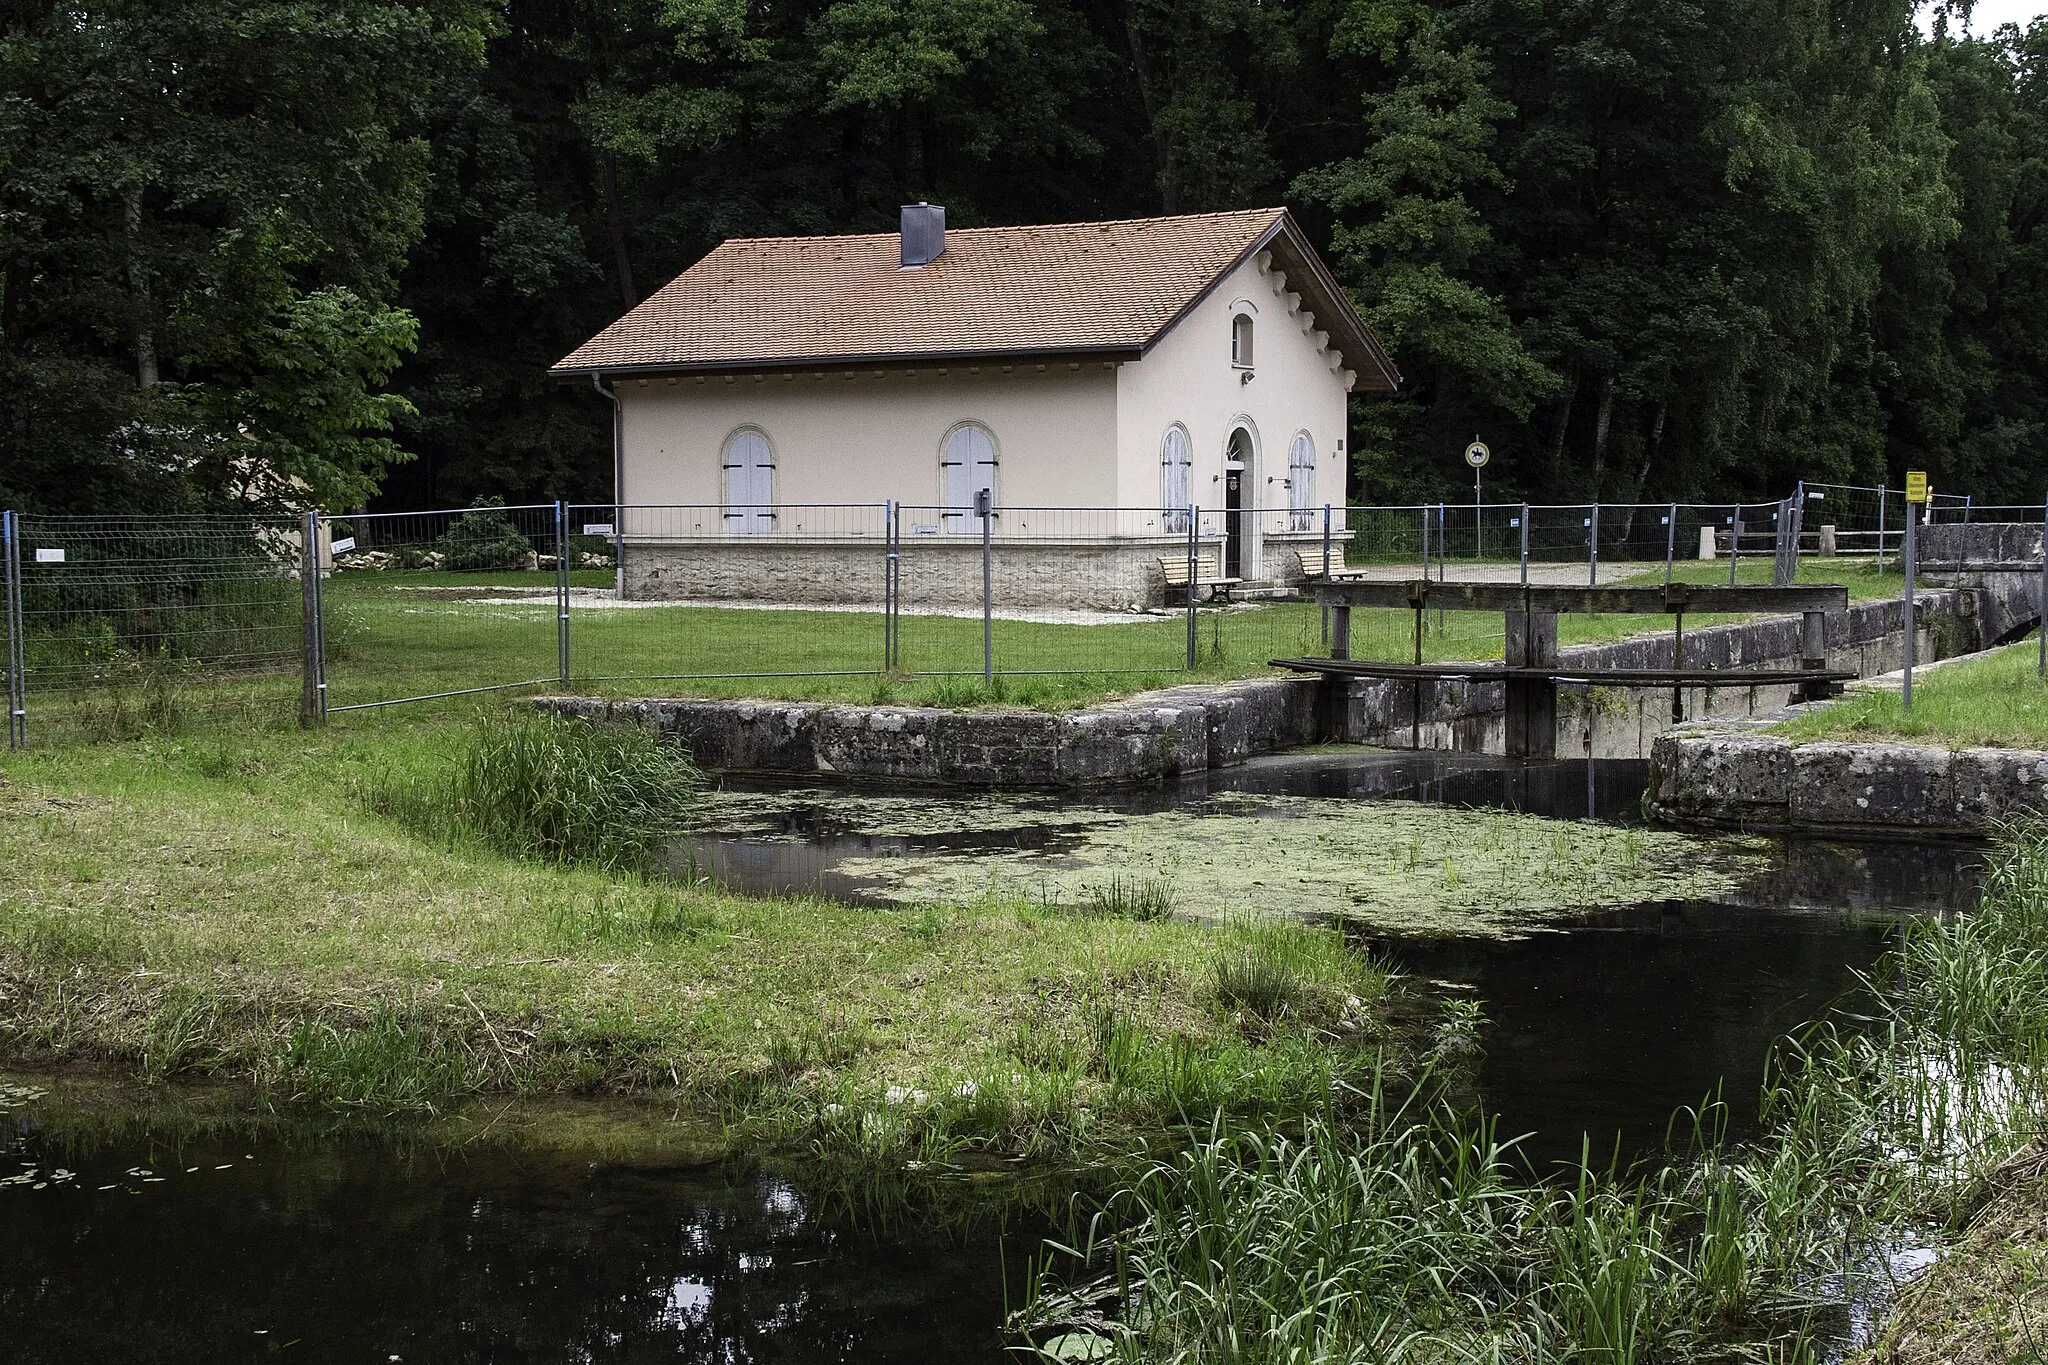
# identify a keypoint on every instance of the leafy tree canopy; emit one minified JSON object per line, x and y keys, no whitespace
{"x":1652,"y":249}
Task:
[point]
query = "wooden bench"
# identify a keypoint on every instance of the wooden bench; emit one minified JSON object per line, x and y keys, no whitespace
{"x":1312,"y":564}
{"x":1208,"y":575}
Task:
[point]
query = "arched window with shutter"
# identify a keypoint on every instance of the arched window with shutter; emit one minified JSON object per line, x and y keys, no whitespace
{"x":1175,"y":455}
{"x":967,"y":465}
{"x":1301,"y":482}
{"x":749,"y":482}
{"x":1241,"y":341}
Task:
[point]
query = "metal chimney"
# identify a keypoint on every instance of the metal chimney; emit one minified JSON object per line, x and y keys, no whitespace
{"x":923,"y":233}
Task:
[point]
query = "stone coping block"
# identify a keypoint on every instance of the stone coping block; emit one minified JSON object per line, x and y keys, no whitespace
{"x":1725,"y":776}
{"x":1890,"y":786}
{"x":1721,"y":777}
{"x":1149,"y":737}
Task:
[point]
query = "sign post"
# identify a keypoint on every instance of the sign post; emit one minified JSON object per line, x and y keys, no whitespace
{"x":1916,"y":497}
{"x":1477,"y":455}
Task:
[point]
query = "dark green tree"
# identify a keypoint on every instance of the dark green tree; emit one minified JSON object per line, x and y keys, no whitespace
{"x":203,"y":213}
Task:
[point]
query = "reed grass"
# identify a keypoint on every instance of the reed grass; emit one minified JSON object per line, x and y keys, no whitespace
{"x":1407,"y":1230}
{"x":549,"y":788}
{"x":1139,"y":898}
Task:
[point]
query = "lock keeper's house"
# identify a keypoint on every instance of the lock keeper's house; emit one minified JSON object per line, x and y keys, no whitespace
{"x":1097,"y":379}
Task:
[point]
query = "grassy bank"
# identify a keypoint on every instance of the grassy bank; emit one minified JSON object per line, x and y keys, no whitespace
{"x":236,"y":905}
{"x":1412,"y":1231}
{"x":1996,"y":699}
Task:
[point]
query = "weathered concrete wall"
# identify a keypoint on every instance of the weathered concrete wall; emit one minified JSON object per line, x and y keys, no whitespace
{"x":2000,"y":561}
{"x":1868,"y":638}
{"x":1731,"y":778}
{"x":1151,"y":736}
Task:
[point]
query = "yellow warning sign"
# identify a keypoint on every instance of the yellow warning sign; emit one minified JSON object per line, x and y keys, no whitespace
{"x":1916,"y":485}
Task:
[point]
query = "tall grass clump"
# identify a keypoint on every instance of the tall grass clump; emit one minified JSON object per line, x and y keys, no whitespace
{"x":550,"y":788}
{"x":1279,"y":971}
{"x":1135,"y":898}
{"x":392,"y":1063}
{"x":1404,"y":1229}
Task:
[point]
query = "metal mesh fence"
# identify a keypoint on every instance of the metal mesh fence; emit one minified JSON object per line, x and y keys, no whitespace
{"x":116,"y":613}
{"x":118,"y":620}
{"x":698,"y":592}
{"x":433,"y":604}
{"x":1068,"y":590}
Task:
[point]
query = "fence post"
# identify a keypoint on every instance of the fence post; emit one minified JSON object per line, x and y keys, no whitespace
{"x":1593,"y":547}
{"x":1912,"y":609}
{"x":562,"y":592}
{"x":1734,"y":543}
{"x":888,"y":585}
{"x":310,"y":708}
{"x":1326,"y":571}
{"x":1880,"y":527}
{"x":2041,"y":628}
{"x":1670,"y":544}
{"x":1194,"y":565}
{"x":17,"y":648}
{"x":985,"y":504}
{"x":1525,"y":544}
{"x":1425,"y":543}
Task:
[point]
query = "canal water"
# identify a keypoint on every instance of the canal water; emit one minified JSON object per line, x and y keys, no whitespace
{"x":268,"y":1244}
{"x":1606,"y":1009}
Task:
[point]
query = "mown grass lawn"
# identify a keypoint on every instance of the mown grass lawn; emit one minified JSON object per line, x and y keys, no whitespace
{"x":398,"y":634}
{"x":1996,"y":699}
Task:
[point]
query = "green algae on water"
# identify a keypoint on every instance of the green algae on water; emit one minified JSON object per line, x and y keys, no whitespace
{"x":1396,"y":868}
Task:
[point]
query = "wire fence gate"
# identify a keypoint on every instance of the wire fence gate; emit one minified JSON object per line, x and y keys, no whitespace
{"x":114,"y":623}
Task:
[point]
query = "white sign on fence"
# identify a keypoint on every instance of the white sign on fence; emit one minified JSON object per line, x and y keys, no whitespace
{"x":49,"y":556}
{"x":344,"y":545}
{"x":924,"y":528}
{"x":597,"y":528}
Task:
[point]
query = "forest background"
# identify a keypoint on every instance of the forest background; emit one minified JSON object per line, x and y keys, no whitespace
{"x":1657,"y":249}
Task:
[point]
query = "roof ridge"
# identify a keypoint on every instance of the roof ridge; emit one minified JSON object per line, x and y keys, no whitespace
{"x":1013,"y":227}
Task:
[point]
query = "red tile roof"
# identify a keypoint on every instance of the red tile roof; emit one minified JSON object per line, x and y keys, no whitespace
{"x":1066,"y":289}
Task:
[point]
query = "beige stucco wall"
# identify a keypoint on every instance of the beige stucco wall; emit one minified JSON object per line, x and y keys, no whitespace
{"x":1188,"y":378}
{"x":866,"y":438}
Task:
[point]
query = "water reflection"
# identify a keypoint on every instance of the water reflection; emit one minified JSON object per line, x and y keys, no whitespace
{"x":347,"y":1251}
{"x":1602,"y":1033}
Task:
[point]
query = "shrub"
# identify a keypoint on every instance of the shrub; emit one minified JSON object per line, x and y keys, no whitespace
{"x":550,"y":788}
{"x":484,"y":538}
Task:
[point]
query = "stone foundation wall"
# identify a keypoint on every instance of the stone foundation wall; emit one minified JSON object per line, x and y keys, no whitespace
{"x":1148,"y":737}
{"x":936,"y":571}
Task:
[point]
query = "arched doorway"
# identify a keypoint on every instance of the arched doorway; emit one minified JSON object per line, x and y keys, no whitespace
{"x":1237,"y":477}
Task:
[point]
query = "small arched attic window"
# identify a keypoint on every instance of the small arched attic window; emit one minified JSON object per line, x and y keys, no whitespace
{"x":1241,"y":341}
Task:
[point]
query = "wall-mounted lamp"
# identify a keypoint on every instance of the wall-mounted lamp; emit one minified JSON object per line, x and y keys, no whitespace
{"x":1244,"y":377}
